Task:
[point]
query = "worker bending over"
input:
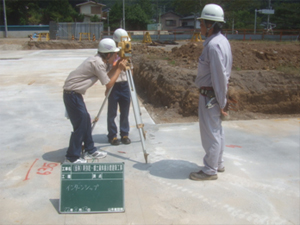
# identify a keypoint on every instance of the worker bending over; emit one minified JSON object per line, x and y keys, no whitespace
{"x":94,"y":68}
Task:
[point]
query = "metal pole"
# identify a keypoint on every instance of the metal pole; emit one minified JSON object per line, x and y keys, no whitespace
{"x":255,"y":22}
{"x":108,"y":28}
{"x":269,"y":16}
{"x":124,"y":14}
{"x":4,"y":12}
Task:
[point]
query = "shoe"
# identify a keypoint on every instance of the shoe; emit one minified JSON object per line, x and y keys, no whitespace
{"x":202,"y":176}
{"x":125,"y":140}
{"x":221,"y":170}
{"x":80,"y":160}
{"x":114,"y":141}
{"x":96,"y":154}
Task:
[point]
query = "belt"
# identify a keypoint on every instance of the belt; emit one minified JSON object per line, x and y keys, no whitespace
{"x":207,"y":91}
{"x":70,"y":92}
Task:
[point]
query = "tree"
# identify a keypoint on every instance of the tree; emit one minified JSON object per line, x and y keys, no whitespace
{"x":60,"y":11}
{"x":287,"y":16}
{"x":137,"y":15}
{"x":116,"y":15}
{"x":147,"y":7}
{"x":19,"y":12}
{"x":136,"y":18}
{"x":186,"y":7}
{"x":95,"y":18}
{"x":240,"y":13}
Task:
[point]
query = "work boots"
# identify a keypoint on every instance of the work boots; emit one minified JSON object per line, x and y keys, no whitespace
{"x":202,"y":176}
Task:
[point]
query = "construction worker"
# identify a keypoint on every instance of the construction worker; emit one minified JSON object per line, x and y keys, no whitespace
{"x":214,"y":68}
{"x":94,"y":68}
{"x":120,"y":95}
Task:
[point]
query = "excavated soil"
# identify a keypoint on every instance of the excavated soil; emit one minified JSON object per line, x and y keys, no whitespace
{"x":265,"y":79}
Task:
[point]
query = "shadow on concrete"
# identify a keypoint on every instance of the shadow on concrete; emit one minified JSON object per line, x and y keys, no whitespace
{"x":124,"y":158}
{"x":57,"y":156}
{"x":170,"y":169}
{"x":100,"y":138}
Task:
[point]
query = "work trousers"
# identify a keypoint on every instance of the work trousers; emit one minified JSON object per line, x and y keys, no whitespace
{"x":212,"y":136}
{"x":81,"y":123}
{"x":120,"y":94}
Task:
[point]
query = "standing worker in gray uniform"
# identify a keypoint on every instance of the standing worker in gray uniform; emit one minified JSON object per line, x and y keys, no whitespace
{"x":119,"y":95}
{"x":94,"y":68}
{"x":214,"y":68}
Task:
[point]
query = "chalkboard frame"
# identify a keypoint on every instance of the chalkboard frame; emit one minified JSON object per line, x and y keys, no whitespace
{"x":92,"y":188}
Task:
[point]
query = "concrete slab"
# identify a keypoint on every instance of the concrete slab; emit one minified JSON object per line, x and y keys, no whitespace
{"x":261,"y":183}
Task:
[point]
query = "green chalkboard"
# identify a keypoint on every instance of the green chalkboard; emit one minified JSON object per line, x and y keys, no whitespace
{"x":92,"y":188}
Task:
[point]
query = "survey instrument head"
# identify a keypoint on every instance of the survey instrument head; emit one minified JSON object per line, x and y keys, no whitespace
{"x":125,"y":47}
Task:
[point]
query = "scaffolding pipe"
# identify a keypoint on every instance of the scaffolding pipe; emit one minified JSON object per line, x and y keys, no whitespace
{"x":4,"y":12}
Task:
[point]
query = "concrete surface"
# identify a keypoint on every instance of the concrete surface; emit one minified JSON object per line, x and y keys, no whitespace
{"x":260,"y":184}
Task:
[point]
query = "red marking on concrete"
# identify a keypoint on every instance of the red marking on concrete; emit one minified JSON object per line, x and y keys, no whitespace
{"x":233,"y":146}
{"x":122,"y":152}
{"x":27,"y":175}
{"x":45,"y":167}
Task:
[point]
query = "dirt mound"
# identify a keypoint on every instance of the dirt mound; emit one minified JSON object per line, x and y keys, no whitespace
{"x":62,"y":44}
{"x":246,"y":55}
{"x":165,"y":80}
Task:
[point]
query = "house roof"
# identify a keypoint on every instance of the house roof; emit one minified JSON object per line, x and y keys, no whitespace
{"x":190,"y":17}
{"x":90,"y":3}
{"x":170,"y":12}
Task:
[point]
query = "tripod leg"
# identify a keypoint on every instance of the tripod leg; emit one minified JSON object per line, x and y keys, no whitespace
{"x":137,"y":112}
{"x":132,"y":88}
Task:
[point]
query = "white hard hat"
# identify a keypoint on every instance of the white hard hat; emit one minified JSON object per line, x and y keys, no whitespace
{"x":212,"y":12}
{"x":120,"y":33}
{"x":107,"y":45}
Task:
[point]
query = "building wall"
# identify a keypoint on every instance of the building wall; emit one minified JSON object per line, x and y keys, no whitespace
{"x":85,"y":9}
{"x":166,"y":21}
{"x":89,"y":11}
{"x":191,"y":23}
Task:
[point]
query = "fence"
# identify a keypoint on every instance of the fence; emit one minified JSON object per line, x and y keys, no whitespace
{"x":69,"y":30}
{"x":22,"y":31}
{"x":270,"y":35}
{"x":187,"y":34}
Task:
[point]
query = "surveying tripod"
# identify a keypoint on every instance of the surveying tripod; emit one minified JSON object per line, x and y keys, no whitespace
{"x":136,"y":109}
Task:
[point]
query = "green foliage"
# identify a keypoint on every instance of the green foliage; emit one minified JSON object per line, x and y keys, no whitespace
{"x":95,"y":18}
{"x":287,"y":16}
{"x":59,"y":11}
{"x":137,"y":19}
{"x":116,"y":15}
{"x":18,"y":12}
{"x":186,"y":7}
{"x":32,"y":12}
{"x":147,"y":8}
{"x":137,"y":16}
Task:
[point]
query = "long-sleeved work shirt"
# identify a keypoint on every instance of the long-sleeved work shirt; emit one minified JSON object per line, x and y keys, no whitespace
{"x":214,"y":66}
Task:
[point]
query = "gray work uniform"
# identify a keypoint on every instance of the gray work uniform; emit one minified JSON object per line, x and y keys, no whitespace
{"x":214,"y":68}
